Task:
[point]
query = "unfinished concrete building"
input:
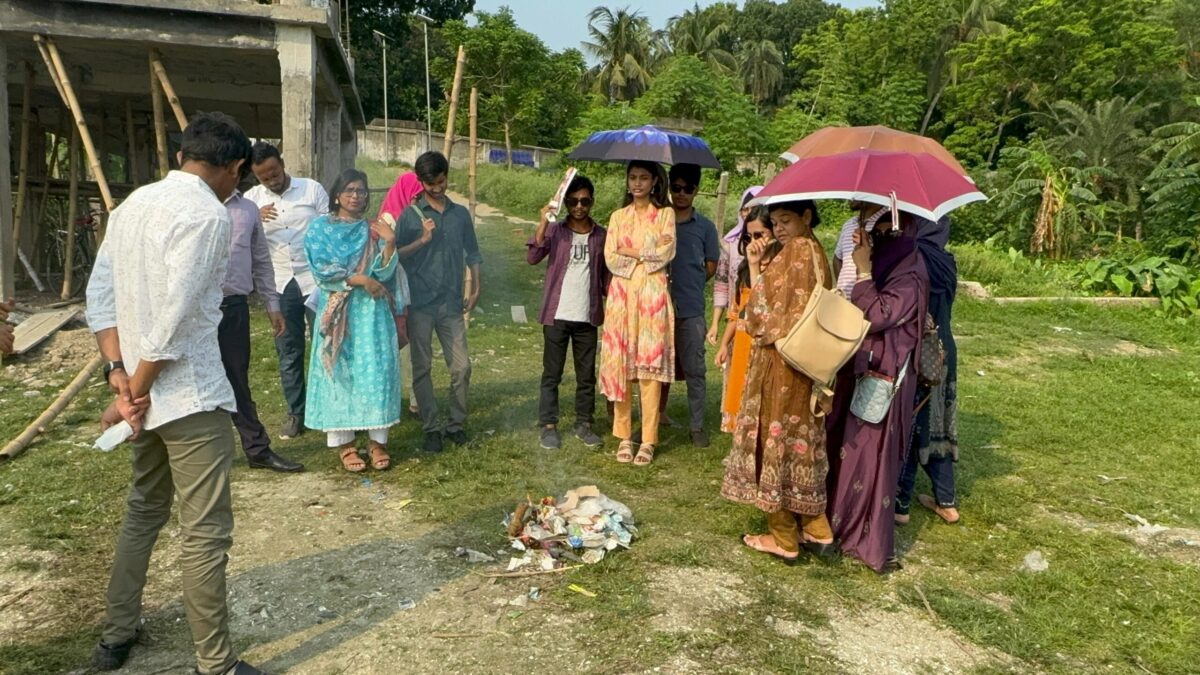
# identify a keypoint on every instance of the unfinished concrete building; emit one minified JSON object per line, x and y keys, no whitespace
{"x":131,"y":71}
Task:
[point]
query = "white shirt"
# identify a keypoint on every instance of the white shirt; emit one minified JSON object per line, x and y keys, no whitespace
{"x":157,"y":280}
{"x":574,"y":299}
{"x":299,"y":205}
{"x":844,"y":251}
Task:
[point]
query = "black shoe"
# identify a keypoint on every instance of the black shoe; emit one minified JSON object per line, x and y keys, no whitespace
{"x":272,"y":461}
{"x":825,"y":552}
{"x":549,"y":439}
{"x":292,"y":428}
{"x":458,"y":437}
{"x":699,"y":438}
{"x":433,"y":442}
{"x":584,"y":433}
{"x":105,"y":657}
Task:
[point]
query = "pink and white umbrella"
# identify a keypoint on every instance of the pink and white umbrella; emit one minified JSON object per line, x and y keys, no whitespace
{"x":920,"y":183}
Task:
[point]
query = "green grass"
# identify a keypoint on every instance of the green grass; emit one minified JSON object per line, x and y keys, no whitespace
{"x":1052,"y":409}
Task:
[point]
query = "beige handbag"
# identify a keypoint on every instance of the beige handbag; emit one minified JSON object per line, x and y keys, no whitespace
{"x":828,"y":333}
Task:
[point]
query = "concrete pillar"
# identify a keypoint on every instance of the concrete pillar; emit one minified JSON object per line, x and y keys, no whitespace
{"x":349,"y":142}
{"x":8,"y":248}
{"x":329,"y":126}
{"x":297,"y":47}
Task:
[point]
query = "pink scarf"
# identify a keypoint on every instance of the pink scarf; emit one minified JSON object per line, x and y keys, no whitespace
{"x":401,"y":194}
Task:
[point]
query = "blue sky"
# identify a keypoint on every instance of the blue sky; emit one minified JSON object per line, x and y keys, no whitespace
{"x":563,"y":23}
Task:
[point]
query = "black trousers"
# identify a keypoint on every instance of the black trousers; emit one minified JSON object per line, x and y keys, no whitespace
{"x":583,"y":339}
{"x":291,"y":347}
{"x":233,"y":335}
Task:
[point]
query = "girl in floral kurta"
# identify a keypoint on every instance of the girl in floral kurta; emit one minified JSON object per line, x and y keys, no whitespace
{"x":778,"y":462}
{"x":354,"y":370}
{"x":638,"y":342}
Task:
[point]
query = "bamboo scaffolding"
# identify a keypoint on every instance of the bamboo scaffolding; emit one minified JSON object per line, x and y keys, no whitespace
{"x":51,"y":166}
{"x":156,"y":66}
{"x":160,"y":125}
{"x":472,"y":166}
{"x":448,"y":142}
{"x":23,"y":156}
{"x":72,"y":214}
{"x":59,"y":72}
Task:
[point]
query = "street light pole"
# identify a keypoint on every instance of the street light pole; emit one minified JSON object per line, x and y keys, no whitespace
{"x":425,"y":21}
{"x":387,"y":127}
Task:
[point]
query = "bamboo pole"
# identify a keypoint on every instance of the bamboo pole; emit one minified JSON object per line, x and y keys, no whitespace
{"x":23,"y":156}
{"x":18,"y":444}
{"x":72,"y":214}
{"x":50,"y":67}
{"x":722,"y":197}
{"x":131,"y":173}
{"x":157,"y":67}
{"x":60,"y":72}
{"x":472,"y":166}
{"x":160,"y":125}
{"x":51,"y":166}
{"x":448,"y":142}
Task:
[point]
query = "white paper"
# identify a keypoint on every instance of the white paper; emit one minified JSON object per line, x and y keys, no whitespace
{"x":114,"y":436}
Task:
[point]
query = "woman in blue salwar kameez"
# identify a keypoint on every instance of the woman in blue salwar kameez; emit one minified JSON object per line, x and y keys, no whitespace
{"x":354,"y":369}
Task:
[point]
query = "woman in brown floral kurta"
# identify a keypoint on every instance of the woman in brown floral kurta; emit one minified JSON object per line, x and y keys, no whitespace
{"x":778,"y":462}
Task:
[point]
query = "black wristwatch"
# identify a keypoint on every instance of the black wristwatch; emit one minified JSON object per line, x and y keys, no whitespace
{"x":111,"y":366}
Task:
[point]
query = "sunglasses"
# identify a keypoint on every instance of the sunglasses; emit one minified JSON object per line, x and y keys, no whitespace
{"x":572,"y":202}
{"x":688,"y":189}
{"x":757,"y":235}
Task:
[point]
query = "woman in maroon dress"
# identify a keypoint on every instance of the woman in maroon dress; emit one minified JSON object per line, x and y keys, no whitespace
{"x":892,"y":289}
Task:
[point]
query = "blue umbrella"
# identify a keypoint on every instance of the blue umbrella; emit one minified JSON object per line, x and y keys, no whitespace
{"x":646,"y":143}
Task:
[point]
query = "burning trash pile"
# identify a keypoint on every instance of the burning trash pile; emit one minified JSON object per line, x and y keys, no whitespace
{"x":579,"y":528}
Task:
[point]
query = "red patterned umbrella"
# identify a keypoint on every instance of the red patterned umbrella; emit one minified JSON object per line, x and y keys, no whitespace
{"x":920,"y":183}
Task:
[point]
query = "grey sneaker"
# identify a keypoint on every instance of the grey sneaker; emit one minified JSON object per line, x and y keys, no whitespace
{"x":584,"y":433}
{"x":699,"y":438}
{"x":550,"y":439}
{"x":292,"y":428}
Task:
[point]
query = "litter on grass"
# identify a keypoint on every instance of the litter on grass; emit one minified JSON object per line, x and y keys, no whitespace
{"x":582,"y":526}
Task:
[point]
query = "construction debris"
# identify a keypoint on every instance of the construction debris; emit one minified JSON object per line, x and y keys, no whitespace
{"x":582,"y":527}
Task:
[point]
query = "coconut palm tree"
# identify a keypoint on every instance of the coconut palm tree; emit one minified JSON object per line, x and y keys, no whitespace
{"x":624,"y":44}
{"x":971,"y":19}
{"x":700,"y":33}
{"x":760,"y":64}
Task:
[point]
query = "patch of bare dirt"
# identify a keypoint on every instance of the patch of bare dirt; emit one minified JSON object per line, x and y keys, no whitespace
{"x":900,"y":642}
{"x":1181,"y":544}
{"x":488,"y":211}
{"x":687,"y":597}
{"x":1127,"y":348}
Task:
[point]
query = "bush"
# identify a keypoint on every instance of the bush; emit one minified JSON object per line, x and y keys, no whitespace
{"x":1011,"y":274}
{"x":1129,"y":270}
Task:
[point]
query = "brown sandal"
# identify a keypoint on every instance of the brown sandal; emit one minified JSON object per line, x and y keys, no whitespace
{"x":755,"y":542}
{"x":351,"y":461}
{"x":380,"y":459}
{"x":625,"y":452}
{"x":645,"y":454}
{"x":949,"y":515}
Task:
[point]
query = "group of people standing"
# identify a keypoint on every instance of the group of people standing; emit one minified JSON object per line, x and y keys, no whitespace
{"x":826,"y":478}
{"x":168,"y":296}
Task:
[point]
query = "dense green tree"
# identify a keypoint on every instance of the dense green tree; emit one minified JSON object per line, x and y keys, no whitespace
{"x":526,"y":93}
{"x":761,"y":67}
{"x":406,"y":52}
{"x":685,"y":88}
{"x":700,"y":33}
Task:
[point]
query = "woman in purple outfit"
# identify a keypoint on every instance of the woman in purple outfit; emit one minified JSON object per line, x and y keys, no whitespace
{"x":892,"y":289}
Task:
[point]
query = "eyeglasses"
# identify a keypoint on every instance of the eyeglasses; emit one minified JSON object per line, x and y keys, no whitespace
{"x":688,"y":189}
{"x":355,"y":192}
{"x":572,"y":202}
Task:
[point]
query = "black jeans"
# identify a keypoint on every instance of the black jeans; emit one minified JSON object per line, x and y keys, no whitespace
{"x":233,"y":335}
{"x":291,"y":347}
{"x":582,"y":338}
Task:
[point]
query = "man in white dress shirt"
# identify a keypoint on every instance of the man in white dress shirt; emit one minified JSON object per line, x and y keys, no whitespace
{"x":287,"y":205}
{"x":154,"y":303}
